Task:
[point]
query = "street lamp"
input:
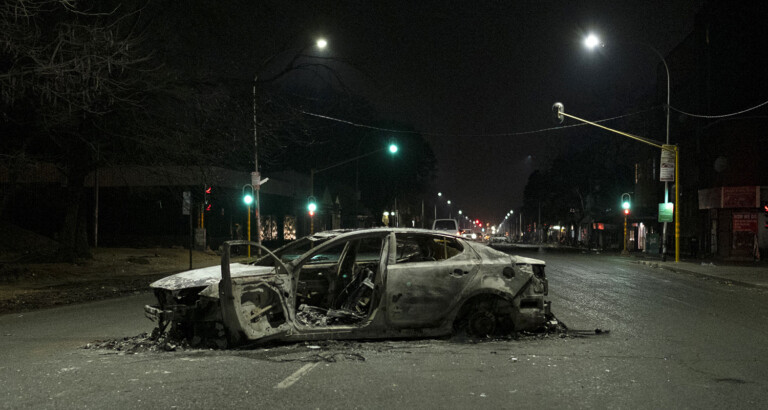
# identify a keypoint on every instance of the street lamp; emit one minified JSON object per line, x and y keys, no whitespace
{"x":591,"y":42}
{"x":256,"y":180}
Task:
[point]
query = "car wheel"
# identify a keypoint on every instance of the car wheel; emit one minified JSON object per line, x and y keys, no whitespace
{"x":485,"y":316}
{"x":481,"y":323}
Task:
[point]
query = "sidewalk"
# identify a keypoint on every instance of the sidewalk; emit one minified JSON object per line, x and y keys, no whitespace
{"x":752,"y":274}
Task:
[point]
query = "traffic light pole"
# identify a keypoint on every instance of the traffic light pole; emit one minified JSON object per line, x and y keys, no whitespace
{"x":312,"y":173}
{"x":559,"y":111}
{"x":249,"y":230}
{"x":625,"y":252}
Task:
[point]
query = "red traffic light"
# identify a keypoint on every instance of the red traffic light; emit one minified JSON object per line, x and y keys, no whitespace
{"x":626,"y":212}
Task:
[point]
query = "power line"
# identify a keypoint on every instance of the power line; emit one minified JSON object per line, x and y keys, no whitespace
{"x":437,"y":134}
{"x":718,"y":116}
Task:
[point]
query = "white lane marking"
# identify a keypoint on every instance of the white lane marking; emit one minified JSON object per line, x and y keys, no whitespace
{"x":296,"y":376}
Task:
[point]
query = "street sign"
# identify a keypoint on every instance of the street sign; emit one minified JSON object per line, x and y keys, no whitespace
{"x":667,"y":172}
{"x":666,"y":212}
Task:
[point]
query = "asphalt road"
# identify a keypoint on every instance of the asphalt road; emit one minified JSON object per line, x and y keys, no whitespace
{"x":675,"y":341}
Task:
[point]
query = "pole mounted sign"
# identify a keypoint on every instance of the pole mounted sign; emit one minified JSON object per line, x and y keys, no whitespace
{"x":666,"y":212}
{"x":667,"y":172}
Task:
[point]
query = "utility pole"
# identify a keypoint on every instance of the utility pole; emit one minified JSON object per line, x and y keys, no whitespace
{"x":539,"y":228}
{"x":255,"y":177}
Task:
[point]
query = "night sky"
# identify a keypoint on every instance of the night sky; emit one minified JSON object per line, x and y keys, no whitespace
{"x":474,"y":76}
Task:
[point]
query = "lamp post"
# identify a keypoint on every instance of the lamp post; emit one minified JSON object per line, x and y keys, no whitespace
{"x":591,"y":42}
{"x":256,"y":180}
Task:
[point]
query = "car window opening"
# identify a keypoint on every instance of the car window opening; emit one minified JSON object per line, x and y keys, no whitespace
{"x":426,"y":248}
{"x":336,"y":286}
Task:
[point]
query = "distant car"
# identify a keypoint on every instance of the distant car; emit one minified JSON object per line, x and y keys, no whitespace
{"x":446,"y":225}
{"x":468,"y":234}
{"x":369,"y":283}
{"x":499,"y":239}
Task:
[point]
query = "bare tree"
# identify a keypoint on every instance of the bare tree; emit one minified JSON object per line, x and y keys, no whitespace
{"x":67,"y":68}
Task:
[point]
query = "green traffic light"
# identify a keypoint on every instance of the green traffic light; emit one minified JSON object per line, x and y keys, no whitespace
{"x":311,"y":207}
{"x":393,"y":148}
{"x":248,"y":199}
{"x":625,"y":205}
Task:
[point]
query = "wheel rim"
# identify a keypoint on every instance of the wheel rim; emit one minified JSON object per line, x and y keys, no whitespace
{"x":482,"y":323}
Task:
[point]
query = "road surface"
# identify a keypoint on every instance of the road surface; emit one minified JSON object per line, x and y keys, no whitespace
{"x":674,"y":340}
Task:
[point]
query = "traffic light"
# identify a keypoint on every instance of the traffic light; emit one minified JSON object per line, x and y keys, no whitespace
{"x":393,"y":147}
{"x":764,"y":206}
{"x":208,"y":204}
{"x":247,"y":193}
{"x":625,"y":204}
{"x":311,"y":206}
{"x":557,"y":111}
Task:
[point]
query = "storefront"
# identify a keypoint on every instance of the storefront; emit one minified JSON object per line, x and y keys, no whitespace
{"x":733,"y":221}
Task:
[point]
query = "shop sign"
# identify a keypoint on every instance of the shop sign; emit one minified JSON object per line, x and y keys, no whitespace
{"x":741,"y":197}
{"x":744,"y":229}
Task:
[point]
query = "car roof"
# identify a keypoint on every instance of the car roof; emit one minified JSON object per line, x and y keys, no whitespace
{"x":338,"y":233}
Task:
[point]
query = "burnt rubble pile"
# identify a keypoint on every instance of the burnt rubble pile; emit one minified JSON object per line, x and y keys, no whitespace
{"x":141,"y":343}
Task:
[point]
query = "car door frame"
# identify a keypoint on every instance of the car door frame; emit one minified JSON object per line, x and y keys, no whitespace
{"x":378,"y":281}
{"x":421,"y":293}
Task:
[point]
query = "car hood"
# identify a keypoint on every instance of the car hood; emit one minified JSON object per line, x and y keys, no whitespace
{"x":208,"y":276}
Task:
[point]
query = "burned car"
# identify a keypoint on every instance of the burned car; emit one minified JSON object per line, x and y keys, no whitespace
{"x":363,"y":284}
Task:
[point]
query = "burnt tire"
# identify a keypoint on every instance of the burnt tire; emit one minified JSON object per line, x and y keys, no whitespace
{"x":481,"y":323}
{"x":485,"y":317}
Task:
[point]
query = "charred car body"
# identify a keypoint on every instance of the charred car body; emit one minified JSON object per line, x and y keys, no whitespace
{"x":370,"y":283}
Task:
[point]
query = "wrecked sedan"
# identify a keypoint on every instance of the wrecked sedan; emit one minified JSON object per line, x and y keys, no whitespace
{"x":368,"y":283}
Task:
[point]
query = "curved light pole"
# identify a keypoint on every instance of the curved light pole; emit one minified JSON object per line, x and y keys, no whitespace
{"x":591,"y":42}
{"x":256,"y":180}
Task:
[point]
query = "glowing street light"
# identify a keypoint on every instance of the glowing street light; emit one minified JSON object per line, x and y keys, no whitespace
{"x":592,"y":41}
{"x":321,"y":43}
